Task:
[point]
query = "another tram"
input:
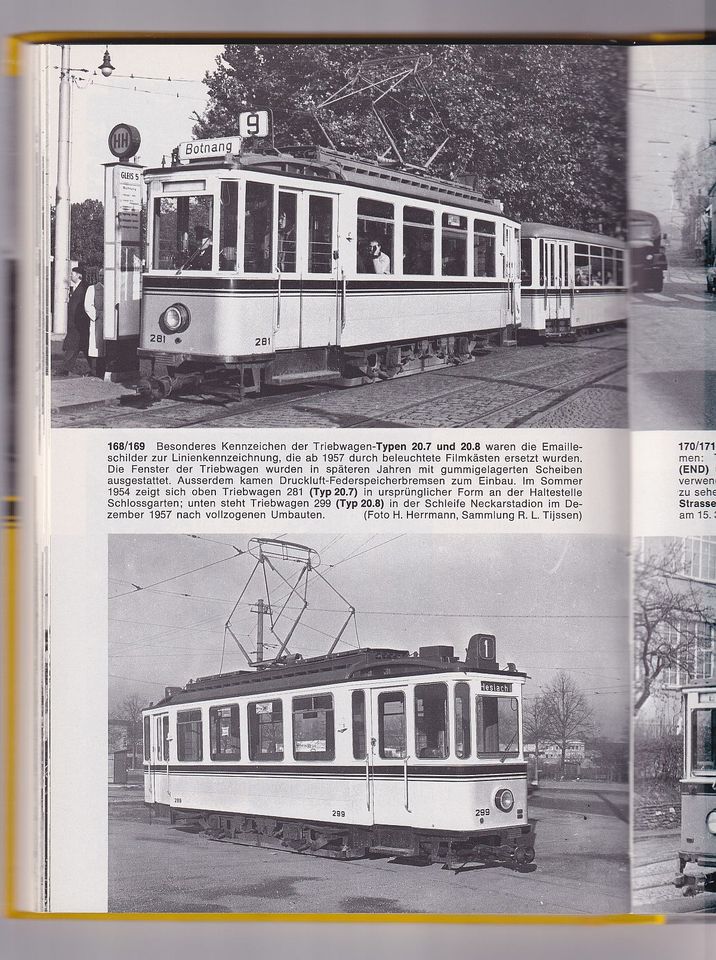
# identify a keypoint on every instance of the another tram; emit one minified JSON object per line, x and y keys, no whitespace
{"x":277,"y":267}
{"x":697,"y":853}
{"x":647,"y":253}
{"x":570,"y":281}
{"x":367,"y":751}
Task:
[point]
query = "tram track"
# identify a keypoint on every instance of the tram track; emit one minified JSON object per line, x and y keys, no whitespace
{"x":469,"y":393}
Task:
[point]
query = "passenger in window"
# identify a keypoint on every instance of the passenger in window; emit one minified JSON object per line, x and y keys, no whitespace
{"x":581,"y":278}
{"x":380,"y":261}
{"x":597,"y":278}
{"x":286,"y":244}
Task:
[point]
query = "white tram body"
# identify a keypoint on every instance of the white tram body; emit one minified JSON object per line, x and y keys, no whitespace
{"x":266,"y":264}
{"x":697,"y":851}
{"x":369,"y":750}
{"x":571,"y":280}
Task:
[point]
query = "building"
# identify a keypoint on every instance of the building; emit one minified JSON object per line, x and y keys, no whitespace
{"x":685,"y":642}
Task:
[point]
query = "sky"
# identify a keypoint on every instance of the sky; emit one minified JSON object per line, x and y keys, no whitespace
{"x":672,"y":98}
{"x":161,"y":108}
{"x":553,"y":602}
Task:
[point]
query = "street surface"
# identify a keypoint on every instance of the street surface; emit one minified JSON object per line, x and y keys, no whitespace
{"x":672,"y":354}
{"x":655,"y":865}
{"x":582,"y":867}
{"x":559,"y":385}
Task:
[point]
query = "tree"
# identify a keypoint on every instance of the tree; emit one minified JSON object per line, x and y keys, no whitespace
{"x":693,"y":178}
{"x":130,"y":711}
{"x":541,"y":127}
{"x":568,"y":715}
{"x":668,"y":611}
{"x":86,"y":232}
{"x":536,"y":722}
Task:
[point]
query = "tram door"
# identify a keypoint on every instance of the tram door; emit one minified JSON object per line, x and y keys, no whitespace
{"x":389,"y":754}
{"x":308,"y":297}
{"x":159,"y":758}
{"x":557,"y":280}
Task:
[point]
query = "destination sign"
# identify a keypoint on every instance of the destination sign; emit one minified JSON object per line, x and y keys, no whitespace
{"x":491,"y":686}
{"x":216,"y":147}
{"x":707,"y":697}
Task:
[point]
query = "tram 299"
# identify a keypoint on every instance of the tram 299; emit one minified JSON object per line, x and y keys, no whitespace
{"x":697,"y":853}
{"x":366,"y":751}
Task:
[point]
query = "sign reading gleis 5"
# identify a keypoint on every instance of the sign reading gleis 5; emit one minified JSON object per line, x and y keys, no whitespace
{"x":252,"y":123}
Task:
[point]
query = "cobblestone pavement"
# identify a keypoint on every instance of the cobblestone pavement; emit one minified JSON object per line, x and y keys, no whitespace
{"x":574,"y":385}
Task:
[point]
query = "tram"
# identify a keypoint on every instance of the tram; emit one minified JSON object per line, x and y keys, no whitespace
{"x":647,"y":253}
{"x":697,"y":853}
{"x":571,"y":281}
{"x":278,"y":267}
{"x":366,"y":751}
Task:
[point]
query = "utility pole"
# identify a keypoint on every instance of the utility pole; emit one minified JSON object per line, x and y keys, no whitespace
{"x":62,"y":200}
{"x":261,"y":610}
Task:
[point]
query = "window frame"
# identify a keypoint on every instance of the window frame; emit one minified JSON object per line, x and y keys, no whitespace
{"x":419,"y":723}
{"x":181,"y":743}
{"x":516,"y":747}
{"x":329,"y":730}
{"x":254,"y":740}
{"x":215,"y":753}
{"x":392,"y":696}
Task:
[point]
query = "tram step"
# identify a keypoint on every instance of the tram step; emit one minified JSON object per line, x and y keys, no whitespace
{"x":305,"y":375}
{"x":392,"y":851}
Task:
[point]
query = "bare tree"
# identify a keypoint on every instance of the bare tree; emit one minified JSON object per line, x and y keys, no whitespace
{"x":130,"y":711}
{"x":568,"y":715}
{"x":668,"y":610}
{"x":536,"y":721}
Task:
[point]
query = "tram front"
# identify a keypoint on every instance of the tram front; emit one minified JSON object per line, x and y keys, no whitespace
{"x":697,"y":853}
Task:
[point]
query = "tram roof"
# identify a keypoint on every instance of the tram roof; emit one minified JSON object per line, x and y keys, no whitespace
{"x":700,"y":684}
{"x":549,"y":231}
{"x":322,"y":163}
{"x":352,"y":665}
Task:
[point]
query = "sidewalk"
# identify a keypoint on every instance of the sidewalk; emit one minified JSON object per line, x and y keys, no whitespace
{"x":86,"y":391}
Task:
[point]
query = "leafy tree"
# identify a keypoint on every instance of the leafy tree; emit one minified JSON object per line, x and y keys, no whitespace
{"x":667,"y":612}
{"x":541,"y":127}
{"x":568,"y":715}
{"x":693,"y":178}
{"x":86,"y":232}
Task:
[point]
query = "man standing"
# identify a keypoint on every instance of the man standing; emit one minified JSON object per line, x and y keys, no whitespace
{"x":77,"y":339}
{"x":94,"y":308}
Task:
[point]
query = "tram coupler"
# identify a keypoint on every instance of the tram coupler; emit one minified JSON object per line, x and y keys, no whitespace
{"x":692,"y":884}
{"x":159,"y":388}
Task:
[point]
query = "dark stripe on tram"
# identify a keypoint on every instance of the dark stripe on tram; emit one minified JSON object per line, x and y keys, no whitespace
{"x":696,"y":789}
{"x":324,"y":768}
{"x":270,"y":284}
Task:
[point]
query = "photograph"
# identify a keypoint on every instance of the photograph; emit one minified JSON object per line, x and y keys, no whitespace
{"x":674,"y":839}
{"x":333,"y":234}
{"x":672,"y":237}
{"x":383,"y":725}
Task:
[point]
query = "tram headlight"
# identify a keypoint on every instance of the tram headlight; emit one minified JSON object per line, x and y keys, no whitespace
{"x":504,"y":800}
{"x":175,"y":319}
{"x":711,"y":821}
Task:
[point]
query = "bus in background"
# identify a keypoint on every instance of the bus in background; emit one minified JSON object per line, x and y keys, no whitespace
{"x":647,"y":256}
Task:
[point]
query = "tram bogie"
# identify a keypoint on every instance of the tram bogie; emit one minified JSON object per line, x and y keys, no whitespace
{"x":372,"y":751}
{"x":697,"y":852}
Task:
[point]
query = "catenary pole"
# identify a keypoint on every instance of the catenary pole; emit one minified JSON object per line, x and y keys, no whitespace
{"x":62,"y":200}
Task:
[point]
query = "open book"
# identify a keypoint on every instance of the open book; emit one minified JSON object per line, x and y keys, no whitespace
{"x":281,"y":654}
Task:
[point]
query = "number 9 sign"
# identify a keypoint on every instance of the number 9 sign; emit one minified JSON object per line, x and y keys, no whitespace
{"x":254,"y":123}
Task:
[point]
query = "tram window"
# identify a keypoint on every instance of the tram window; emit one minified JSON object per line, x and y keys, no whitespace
{"x":228,"y":225}
{"x":526,"y":262}
{"x":462,"y":720}
{"x":619,"y":266}
{"x":165,"y":737}
{"x":703,"y":741}
{"x":609,"y":271}
{"x":189,"y":735}
{"x":287,"y":232}
{"x":418,"y":241}
{"x":147,"y":725}
{"x":320,"y":235}
{"x":266,"y":730}
{"x":313,"y":728}
{"x":484,"y":245}
{"x":431,"y":721}
{"x":454,"y":245}
{"x":182,"y":233}
{"x":258,"y":226}
{"x":358,"y":719}
{"x":596,"y":266}
{"x":224,"y":732}
{"x":497,"y":726}
{"x":392,"y":742}
{"x":581,"y":265}
{"x":374,"y":249}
